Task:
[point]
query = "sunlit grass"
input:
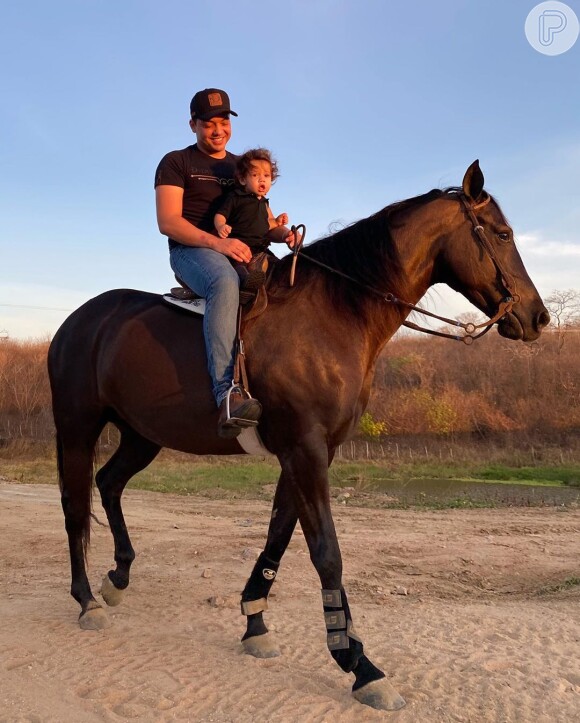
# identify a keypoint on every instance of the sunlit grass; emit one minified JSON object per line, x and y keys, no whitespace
{"x":183,"y":474}
{"x":245,"y":478}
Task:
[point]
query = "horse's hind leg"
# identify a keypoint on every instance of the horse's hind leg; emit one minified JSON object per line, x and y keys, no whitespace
{"x":133,"y":454}
{"x":75,"y":464}
{"x":257,"y":641}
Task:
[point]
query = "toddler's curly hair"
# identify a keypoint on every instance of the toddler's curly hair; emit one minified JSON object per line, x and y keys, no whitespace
{"x":255,"y":154}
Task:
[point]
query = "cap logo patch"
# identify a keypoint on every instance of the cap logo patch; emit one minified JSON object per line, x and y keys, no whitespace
{"x":215,"y":99}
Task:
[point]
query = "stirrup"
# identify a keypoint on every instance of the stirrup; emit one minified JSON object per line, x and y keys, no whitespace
{"x":239,"y":421}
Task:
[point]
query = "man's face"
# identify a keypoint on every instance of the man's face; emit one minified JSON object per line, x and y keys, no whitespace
{"x":213,"y":134}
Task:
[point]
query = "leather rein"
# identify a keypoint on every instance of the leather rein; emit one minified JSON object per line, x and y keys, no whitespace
{"x":505,"y":306}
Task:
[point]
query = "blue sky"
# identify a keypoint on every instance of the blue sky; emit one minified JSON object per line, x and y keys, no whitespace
{"x":363,"y":102}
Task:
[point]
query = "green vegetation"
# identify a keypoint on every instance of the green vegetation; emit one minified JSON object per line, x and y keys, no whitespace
{"x":568,"y":584}
{"x":441,"y":417}
{"x":238,"y":478}
{"x":244,"y":476}
{"x":370,"y":474}
{"x":370,"y":428}
{"x":567,"y":475}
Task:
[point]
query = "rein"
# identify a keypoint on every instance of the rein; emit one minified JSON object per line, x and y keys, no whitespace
{"x":505,"y":306}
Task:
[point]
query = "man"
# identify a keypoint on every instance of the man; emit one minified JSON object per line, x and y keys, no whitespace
{"x":189,"y":186}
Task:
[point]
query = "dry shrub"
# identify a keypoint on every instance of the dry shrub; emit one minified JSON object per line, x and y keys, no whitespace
{"x":449,"y":411}
{"x":423,"y":385}
{"x":24,"y":390}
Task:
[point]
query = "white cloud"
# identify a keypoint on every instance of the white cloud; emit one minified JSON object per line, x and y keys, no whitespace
{"x":536,"y":244}
{"x":552,"y":263}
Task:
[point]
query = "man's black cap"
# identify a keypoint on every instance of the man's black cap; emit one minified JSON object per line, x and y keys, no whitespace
{"x":210,"y":102}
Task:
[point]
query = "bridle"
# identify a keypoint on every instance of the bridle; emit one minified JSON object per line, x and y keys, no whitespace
{"x":504,"y":307}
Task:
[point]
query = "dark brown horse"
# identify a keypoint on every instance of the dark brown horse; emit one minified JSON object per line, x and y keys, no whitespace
{"x":127,"y":358}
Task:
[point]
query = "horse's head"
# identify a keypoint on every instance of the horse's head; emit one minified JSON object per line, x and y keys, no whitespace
{"x":479,"y":259}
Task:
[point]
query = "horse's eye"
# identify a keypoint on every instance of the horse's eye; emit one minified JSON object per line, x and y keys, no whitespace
{"x":504,"y":236}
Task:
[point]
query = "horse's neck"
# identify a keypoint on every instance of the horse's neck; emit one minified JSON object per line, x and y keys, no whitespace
{"x":409,"y":283}
{"x":376,"y":320}
{"x":416,"y":242}
{"x":417,"y":262}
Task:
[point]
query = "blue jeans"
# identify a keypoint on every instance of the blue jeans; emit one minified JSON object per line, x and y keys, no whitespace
{"x":211,"y":275}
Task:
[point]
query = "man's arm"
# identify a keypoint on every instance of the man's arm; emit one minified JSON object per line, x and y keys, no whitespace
{"x":169,"y":204}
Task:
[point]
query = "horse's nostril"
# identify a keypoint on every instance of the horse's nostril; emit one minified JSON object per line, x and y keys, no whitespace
{"x":542,"y":320}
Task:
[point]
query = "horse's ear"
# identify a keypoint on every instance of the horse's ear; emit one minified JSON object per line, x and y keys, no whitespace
{"x":473,"y":181}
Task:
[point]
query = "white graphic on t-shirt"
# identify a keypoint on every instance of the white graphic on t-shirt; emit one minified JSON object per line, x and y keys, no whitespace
{"x":221,"y":181}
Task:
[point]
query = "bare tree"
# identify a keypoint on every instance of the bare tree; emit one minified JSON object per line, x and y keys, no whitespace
{"x":564,"y":308}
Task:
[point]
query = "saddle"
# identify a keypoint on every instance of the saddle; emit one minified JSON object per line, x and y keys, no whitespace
{"x":253,"y":277}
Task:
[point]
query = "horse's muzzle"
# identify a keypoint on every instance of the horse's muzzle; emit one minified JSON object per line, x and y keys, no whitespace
{"x":514,"y":326}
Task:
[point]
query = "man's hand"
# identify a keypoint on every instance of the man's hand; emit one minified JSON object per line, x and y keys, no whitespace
{"x":224,"y":230}
{"x":234,"y":248}
{"x":282,"y":219}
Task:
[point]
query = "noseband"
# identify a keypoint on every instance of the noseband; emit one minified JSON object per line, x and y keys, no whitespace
{"x":504,"y":307}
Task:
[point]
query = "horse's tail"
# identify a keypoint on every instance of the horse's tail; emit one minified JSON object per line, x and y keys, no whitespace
{"x":80,"y":495}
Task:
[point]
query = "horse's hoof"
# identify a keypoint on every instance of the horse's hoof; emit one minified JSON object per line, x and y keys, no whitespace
{"x":379,"y":694}
{"x":111,"y":594}
{"x":261,"y":646}
{"x":94,"y":618}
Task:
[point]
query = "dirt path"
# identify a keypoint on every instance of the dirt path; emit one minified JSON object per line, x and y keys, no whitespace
{"x":472,"y":641}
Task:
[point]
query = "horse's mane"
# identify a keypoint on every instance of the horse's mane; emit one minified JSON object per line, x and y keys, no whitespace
{"x":364,"y":250}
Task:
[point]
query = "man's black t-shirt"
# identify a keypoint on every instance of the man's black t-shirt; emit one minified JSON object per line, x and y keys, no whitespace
{"x":204,"y":180}
{"x":248,"y":216}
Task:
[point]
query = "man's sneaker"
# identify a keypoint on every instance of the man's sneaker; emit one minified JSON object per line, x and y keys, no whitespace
{"x":244,"y":412}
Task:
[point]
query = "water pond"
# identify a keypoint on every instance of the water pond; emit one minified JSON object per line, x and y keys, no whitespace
{"x":452,"y":492}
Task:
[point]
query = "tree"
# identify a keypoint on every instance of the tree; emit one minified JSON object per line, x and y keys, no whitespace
{"x":564,"y":308}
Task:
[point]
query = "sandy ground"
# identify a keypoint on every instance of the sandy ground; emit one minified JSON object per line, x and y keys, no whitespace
{"x":475,"y":638}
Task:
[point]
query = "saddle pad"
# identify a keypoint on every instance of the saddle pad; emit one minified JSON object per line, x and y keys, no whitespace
{"x":196,"y":306}
{"x":250,"y":441}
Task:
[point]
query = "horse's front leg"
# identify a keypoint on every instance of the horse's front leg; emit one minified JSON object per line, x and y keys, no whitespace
{"x":257,"y":641}
{"x":306,"y":473}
